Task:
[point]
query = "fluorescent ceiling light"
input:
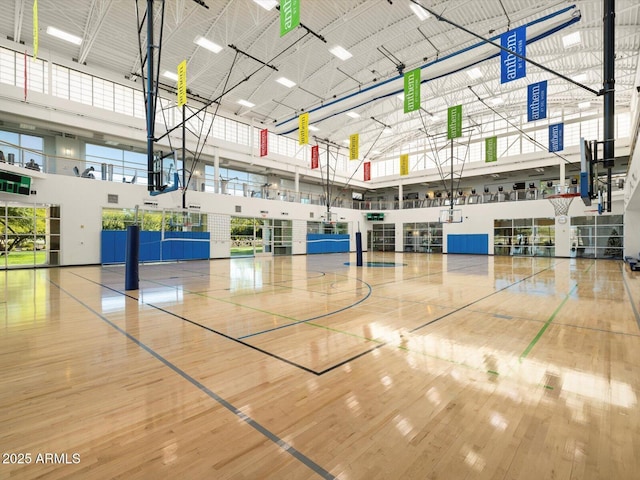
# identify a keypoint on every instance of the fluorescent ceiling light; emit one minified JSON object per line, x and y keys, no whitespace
{"x":208,"y":44}
{"x":572,"y":39}
{"x":583,"y":105}
{"x":401,"y":96}
{"x":340,"y":52}
{"x":53,"y":31}
{"x":172,"y":75}
{"x":497,"y":101}
{"x":26,"y":126}
{"x":388,"y":129}
{"x":353,"y":114}
{"x":267,"y":4}
{"x":376,"y":152}
{"x":420,"y":12}
{"x":314,"y":129}
{"x":435,"y":118}
{"x":474,"y":73}
{"x":346,"y":142}
{"x":245,"y":103}
{"x":580,"y":78}
{"x":112,"y":143}
{"x":286,"y":82}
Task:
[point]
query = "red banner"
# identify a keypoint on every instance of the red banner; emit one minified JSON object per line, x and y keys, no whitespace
{"x":367,"y":171}
{"x":315,"y":156}
{"x":264,"y":135}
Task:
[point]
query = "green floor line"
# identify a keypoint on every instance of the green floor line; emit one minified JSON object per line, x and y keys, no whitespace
{"x":462,"y":364}
{"x":546,"y":324}
{"x":374,"y":340}
{"x":279,"y":315}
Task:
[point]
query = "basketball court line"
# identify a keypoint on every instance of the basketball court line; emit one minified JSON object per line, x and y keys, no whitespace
{"x":439,"y":272}
{"x":272,"y":284}
{"x":313,"y":318}
{"x":294,"y":320}
{"x":293,"y":278}
{"x":193,"y":322}
{"x":571,"y":325}
{"x":288,"y":448}
{"x":238,"y":340}
{"x":550,"y":267}
{"x":533,"y":342}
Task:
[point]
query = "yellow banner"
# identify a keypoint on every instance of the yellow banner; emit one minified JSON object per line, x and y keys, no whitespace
{"x":353,"y":146}
{"x":404,"y":164}
{"x":182,"y":83}
{"x":35,"y":29}
{"x":303,"y":129}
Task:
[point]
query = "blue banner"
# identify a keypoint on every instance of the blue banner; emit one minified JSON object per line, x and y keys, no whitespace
{"x":513,"y":67}
{"x":556,"y":137}
{"x":537,"y":101}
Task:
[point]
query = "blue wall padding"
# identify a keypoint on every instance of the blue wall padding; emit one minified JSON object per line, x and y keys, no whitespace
{"x":477,"y":243}
{"x":327,"y":243}
{"x":176,"y":246}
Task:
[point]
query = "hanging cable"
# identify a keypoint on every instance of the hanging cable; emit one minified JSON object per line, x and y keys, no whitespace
{"x":529,"y":137}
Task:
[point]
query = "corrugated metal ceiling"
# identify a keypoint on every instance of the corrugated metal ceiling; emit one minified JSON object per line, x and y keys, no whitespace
{"x":366,"y":28}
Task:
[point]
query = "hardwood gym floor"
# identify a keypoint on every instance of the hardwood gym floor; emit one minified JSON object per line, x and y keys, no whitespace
{"x":444,"y":367}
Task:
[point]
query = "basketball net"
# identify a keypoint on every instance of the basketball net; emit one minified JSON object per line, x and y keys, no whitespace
{"x":562,"y":202}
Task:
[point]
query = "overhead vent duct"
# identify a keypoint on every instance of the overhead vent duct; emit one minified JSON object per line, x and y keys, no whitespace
{"x":446,"y":65}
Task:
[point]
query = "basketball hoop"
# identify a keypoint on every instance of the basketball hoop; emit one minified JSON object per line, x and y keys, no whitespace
{"x":561,"y":202}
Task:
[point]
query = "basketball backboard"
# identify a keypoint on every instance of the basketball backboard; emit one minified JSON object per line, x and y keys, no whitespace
{"x":451,"y":216}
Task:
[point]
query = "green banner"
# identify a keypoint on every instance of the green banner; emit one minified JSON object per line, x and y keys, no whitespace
{"x":491,"y":149}
{"x":289,"y":15}
{"x":412,"y":90}
{"x":454,"y":122}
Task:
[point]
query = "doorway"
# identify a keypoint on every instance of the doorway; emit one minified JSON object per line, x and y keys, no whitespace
{"x":251,"y":237}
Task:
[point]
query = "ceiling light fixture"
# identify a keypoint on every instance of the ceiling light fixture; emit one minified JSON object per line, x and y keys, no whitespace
{"x":266,"y":4}
{"x":53,"y":31}
{"x":353,"y":114}
{"x":580,"y":78}
{"x":208,"y":44}
{"x":497,"y":101}
{"x":401,"y":96}
{"x":171,"y":75}
{"x":341,"y":53}
{"x":474,"y":73}
{"x":583,"y":105}
{"x":314,"y":129}
{"x":572,"y":39}
{"x":245,"y":103}
{"x":420,"y":12}
{"x":286,"y":82}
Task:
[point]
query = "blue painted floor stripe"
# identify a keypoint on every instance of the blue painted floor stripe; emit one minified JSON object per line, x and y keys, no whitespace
{"x":263,"y":430}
